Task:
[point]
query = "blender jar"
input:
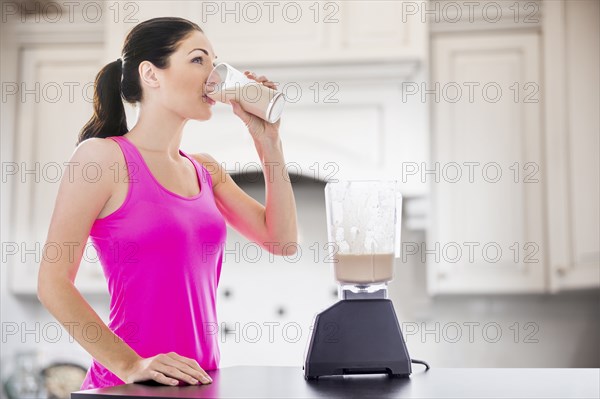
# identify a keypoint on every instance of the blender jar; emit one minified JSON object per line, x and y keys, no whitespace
{"x":363,"y":228}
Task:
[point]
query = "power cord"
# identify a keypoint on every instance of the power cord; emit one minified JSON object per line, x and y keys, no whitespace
{"x":423,"y":362}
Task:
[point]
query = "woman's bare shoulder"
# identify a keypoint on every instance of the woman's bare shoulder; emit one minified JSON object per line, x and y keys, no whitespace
{"x":97,"y":149}
{"x":100,"y":159}
{"x":211,"y":165}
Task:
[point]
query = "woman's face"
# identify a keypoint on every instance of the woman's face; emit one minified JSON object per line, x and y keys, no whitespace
{"x":182,"y":84}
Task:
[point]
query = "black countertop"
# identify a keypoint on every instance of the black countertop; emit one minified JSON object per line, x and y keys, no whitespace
{"x":289,"y":382}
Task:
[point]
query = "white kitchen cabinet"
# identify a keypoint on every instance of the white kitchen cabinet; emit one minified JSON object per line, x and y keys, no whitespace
{"x":288,"y":32}
{"x":56,"y":92}
{"x":320,"y":32}
{"x":487,"y":232}
{"x":571,"y":111}
{"x":546,"y":217}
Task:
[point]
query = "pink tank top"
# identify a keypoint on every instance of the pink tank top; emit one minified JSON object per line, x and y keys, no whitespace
{"x":161,"y":254}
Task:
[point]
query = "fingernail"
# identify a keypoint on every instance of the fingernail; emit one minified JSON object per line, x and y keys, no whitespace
{"x":194,"y":381}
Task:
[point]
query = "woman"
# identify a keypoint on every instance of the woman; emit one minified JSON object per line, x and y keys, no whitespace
{"x":156,"y":215}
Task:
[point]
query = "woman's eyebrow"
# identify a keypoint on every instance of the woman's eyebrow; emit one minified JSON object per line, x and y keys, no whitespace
{"x":201,"y":49}
{"x":204,"y":51}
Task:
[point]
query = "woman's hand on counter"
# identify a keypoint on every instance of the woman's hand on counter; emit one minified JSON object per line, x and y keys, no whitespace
{"x":168,"y":369}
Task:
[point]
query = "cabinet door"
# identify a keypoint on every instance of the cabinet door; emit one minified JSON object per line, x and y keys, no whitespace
{"x":381,"y":30}
{"x":56,"y":101}
{"x":487,"y":230}
{"x":571,"y":80}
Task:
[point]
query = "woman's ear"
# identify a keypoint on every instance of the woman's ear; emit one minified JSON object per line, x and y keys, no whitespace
{"x":148,"y":74}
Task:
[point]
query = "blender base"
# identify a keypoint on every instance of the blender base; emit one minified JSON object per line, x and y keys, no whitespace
{"x":358,"y":336}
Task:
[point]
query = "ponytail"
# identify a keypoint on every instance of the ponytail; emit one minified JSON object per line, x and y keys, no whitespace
{"x":109,"y":113}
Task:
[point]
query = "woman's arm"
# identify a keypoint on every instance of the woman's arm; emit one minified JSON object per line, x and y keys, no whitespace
{"x":78,"y":203}
{"x":272,"y":227}
{"x":280,"y":210}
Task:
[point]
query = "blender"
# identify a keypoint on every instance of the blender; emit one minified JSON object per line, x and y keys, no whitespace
{"x":360,"y":334}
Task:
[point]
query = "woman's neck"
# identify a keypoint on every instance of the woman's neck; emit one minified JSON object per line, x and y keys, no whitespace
{"x":158,"y":130}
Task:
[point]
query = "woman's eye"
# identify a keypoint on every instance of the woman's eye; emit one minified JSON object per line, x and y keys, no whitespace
{"x":197,"y":59}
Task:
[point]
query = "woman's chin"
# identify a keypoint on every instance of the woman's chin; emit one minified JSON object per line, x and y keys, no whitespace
{"x":203,"y":116}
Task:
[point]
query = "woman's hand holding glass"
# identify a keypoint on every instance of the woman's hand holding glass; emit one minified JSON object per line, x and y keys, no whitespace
{"x":258,"y":128}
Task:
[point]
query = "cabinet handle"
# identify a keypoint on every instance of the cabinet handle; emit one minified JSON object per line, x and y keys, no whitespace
{"x":561,"y":271}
